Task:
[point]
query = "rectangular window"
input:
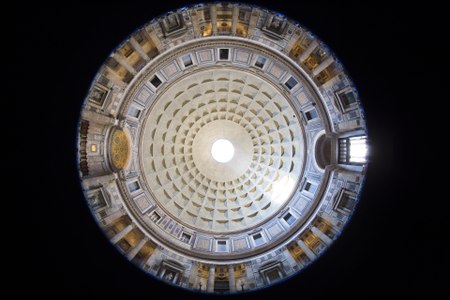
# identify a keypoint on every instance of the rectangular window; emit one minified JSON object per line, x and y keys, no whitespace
{"x":291,"y":83}
{"x":353,"y":150}
{"x":224,"y":54}
{"x":185,"y":237}
{"x":222,"y":246}
{"x":187,"y":60}
{"x":133,"y":186}
{"x":258,"y":239}
{"x":346,"y":202}
{"x":347,"y":98}
{"x":156,"y":81}
{"x":358,"y":149}
{"x":134,"y":112}
{"x":155,"y":217}
{"x":273,"y":275}
{"x":94,"y":148}
{"x":260,"y":61}
{"x":290,"y":219}
{"x":97,"y":200}
{"x":310,"y":187}
{"x":98,"y":95}
{"x":312,"y":114}
{"x":307,"y":186}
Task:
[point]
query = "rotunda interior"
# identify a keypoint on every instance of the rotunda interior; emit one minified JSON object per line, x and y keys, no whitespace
{"x":222,"y":147}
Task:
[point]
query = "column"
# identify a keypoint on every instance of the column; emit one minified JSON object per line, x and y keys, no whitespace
{"x":136,"y":249}
{"x":122,"y":234}
{"x":195,"y":25}
{"x":231,"y":278}
{"x":139,"y":49}
{"x":330,"y":219}
{"x":289,"y":258}
{"x":124,"y":63}
{"x":322,"y":66}
{"x":234,"y":20}
{"x":211,"y":278}
{"x":308,"y":50}
{"x":193,"y":275}
{"x":153,"y":257}
{"x":292,"y":41}
{"x":252,"y":23}
{"x":306,"y":249}
{"x":250,"y":278}
{"x":213,"y":14}
{"x":154,"y":38}
{"x":113,"y":77}
{"x":321,"y":235}
{"x":174,"y":280}
{"x":98,"y":180}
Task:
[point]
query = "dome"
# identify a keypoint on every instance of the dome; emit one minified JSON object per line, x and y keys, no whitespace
{"x":222,"y":147}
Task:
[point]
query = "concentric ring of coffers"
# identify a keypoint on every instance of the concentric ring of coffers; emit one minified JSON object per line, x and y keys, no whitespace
{"x":202,"y":74}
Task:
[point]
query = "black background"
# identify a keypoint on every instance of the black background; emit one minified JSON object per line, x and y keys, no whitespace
{"x":395,"y":243}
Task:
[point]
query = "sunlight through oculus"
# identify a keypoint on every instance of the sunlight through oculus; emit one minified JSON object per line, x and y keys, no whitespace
{"x":222,"y":151}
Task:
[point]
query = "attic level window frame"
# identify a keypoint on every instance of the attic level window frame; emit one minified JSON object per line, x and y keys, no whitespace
{"x":311,"y":114}
{"x":134,"y":112}
{"x":221,"y":246}
{"x":260,"y":62}
{"x":291,"y":83}
{"x":289,"y":218}
{"x":227,"y":54}
{"x":133,"y":186}
{"x":310,"y":187}
{"x":156,"y":81}
{"x":258,"y":239}
{"x":186,"y":237}
{"x":187,"y":60}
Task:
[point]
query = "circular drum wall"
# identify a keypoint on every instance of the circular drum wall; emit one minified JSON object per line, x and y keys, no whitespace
{"x":222,"y":217}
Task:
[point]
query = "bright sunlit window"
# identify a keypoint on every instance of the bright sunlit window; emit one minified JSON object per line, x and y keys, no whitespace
{"x":353,"y":150}
{"x":358,"y":149}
